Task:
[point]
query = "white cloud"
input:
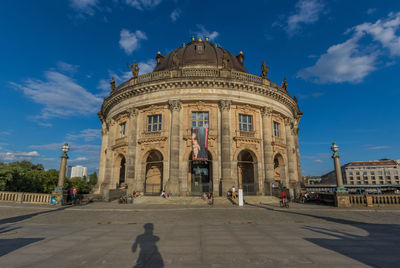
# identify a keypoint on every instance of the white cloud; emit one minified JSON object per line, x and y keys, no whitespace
{"x":384,"y":32}
{"x":341,"y":63}
{"x":129,"y":42}
{"x":307,"y":12}
{"x":318,"y":161}
{"x":86,"y":134}
{"x":202,"y":32}
{"x":175,"y":14}
{"x":17,"y":156}
{"x":66,"y":67}
{"x":86,"y":7}
{"x":143,"y":4}
{"x":73,"y":147}
{"x":371,"y":10}
{"x":381,"y":147}
{"x":146,"y":66}
{"x":60,"y":95}
{"x":351,"y":61}
{"x":5,"y":133}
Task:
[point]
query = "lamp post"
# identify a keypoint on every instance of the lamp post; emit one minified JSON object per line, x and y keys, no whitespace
{"x":338,"y":170}
{"x":63,"y":166}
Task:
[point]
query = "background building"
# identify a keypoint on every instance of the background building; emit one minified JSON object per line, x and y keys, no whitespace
{"x":76,"y":171}
{"x":148,"y":121}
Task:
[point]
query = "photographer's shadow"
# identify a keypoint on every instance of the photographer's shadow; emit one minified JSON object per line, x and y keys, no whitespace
{"x":149,"y":256}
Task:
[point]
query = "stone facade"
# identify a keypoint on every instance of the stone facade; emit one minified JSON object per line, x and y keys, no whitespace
{"x":149,"y":161}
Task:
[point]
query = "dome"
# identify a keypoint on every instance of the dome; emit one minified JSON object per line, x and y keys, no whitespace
{"x":200,"y":52}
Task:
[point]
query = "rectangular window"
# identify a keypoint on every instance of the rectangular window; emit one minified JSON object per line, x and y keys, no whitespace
{"x":358,"y":173}
{"x":350,"y":173}
{"x":380,"y":172}
{"x":199,"y":119}
{"x":372,"y":172}
{"x":154,"y":122}
{"x":122,"y":128}
{"x":387,"y":172}
{"x":395,"y":172}
{"x":276,"y":129}
{"x":245,"y":122}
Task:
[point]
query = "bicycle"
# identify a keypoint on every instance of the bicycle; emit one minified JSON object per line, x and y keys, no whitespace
{"x":284,"y":203}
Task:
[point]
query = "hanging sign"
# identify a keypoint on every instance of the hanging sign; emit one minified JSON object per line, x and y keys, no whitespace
{"x":199,"y":143}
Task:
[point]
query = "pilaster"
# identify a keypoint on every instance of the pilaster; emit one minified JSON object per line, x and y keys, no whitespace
{"x":266,"y":113}
{"x":226,"y":168}
{"x":172,"y":184}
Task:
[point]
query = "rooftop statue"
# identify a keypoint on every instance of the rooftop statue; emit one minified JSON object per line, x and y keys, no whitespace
{"x":264,"y":70}
{"x":113,"y":84}
{"x":175,"y":59}
{"x":135,"y":69}
{"x":284,"y":84}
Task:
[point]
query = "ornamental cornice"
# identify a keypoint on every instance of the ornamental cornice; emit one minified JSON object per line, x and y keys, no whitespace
{"x":246,"y":139}
{"x":152,"y":139}
{"x":195,"y":83}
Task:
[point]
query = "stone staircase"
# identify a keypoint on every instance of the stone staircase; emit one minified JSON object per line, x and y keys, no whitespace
{"x":197,"y":201}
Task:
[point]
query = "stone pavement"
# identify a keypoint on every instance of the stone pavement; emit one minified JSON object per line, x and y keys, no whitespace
{"x":166,"y":235}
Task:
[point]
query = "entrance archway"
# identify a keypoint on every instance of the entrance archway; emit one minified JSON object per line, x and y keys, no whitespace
{"x":200,"y":175}
{"x":279,"y":168}
{"x":154,"y":173}
{"x":122,"y":170}
{"x":246,"y":166}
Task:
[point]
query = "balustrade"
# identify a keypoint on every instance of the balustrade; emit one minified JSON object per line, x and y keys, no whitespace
{"x":25,"y":197}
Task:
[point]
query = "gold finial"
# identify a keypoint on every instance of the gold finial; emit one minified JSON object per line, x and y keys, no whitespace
{"x":158,"y":52}
{"x":200,"y":39}
{"x":241,"y":52}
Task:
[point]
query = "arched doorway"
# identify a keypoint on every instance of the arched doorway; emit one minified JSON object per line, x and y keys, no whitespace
{"x":279,"y":174}
{"x":122,"y":170}
{"x":246,"y":166}
{"x":154,"y":173}
{"x":200,"y":175}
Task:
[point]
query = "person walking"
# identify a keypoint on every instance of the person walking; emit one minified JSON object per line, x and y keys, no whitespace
{"x":233,"y":192}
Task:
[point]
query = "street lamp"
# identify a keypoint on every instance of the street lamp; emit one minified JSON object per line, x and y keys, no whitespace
{"x":336,"y":162}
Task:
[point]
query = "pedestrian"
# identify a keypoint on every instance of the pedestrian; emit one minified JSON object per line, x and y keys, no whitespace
{"x":163,"y":194}
{"x":210,"y":199}
{"x":233,"y":192}
{"x":73,"y":194}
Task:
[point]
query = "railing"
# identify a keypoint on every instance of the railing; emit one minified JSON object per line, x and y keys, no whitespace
{"x":154,"y":76}
{"x":248,"y":189}
{"x":25,"y":197}
{"x":203,"y":72}
{"x":10,"y":196}
{"x":198,"y":72}
{"x":152,"y":189}
{"x":386,"y":200}
{"x":374,"y":200}
{"x":357,"y":200}
{"x":246,"y":77}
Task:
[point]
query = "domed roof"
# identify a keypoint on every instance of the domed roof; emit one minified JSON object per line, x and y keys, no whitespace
{"x":199,"y":52}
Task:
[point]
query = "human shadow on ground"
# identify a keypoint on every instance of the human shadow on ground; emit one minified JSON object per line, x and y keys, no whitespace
{"x":149,"y":256}
{"x":27,"y":216}
{"x":379,"y":248}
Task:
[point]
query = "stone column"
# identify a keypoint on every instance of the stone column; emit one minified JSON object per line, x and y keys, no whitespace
{"x":109,"y":156}
{"x":104,"y":141}
{"x":173,"y":181}
{"x":63,"y":167}
{"x":131,"y":154}
{"x":291,"y":155}
{"x":227,"y":180}
{"x":268,"y":149}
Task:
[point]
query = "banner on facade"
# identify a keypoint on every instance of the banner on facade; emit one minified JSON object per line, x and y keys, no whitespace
{"x":199,"y":143}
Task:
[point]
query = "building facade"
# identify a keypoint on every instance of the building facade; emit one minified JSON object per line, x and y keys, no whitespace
{"x":148,"y":122}
{"x":367,"y":173}
{"x":76,"y":172}
{"x":381,"y":172}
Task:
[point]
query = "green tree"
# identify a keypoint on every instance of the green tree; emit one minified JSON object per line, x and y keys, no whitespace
{"x":93,"y":178}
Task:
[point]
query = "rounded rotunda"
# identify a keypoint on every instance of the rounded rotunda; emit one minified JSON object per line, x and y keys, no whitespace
{"x":199,"y":123}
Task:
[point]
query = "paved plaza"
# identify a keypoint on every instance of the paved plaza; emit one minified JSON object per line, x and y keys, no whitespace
{"x":112,"y":235}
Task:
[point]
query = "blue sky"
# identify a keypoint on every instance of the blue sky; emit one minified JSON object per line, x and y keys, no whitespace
{"x":341,"y":59}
